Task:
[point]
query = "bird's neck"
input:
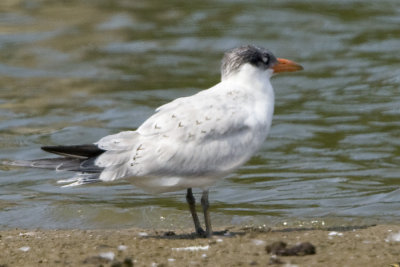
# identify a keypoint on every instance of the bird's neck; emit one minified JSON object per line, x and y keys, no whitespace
{"x":251,"y":77}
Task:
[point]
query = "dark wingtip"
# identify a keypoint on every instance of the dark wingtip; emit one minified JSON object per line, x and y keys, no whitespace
{"x":48,"y":148}
{"x":77,"y":151}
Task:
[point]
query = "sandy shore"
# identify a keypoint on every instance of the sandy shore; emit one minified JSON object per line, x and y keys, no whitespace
{"x":356,"y":246}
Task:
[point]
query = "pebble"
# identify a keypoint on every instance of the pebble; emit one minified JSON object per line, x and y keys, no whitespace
{"x":333,"y":233}
{"x":143,"y":234}
{"x":280,"y":248}
{"x":107,"y":255}
{"x":24,"y":249}
{"x":193,"y":248}
{"x":122,"y":247}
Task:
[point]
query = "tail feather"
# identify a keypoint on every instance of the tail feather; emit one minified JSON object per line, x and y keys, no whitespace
{"x":80,"y":159}
{"x":79,"y":151}
{"x":50,"y":163}
{"x":59,"y":164}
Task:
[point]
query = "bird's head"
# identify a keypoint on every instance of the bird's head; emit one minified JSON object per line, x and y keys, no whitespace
{"x":260,"y":58}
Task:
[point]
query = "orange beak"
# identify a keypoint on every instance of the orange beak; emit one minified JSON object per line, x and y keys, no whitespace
{"x":285,"y":65}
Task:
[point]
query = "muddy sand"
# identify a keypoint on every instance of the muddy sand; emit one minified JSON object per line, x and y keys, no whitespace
{"x":351,"y":246}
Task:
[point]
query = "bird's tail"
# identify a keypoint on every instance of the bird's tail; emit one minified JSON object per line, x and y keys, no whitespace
{"x":79,"y":159}
{"x":58,"y":164}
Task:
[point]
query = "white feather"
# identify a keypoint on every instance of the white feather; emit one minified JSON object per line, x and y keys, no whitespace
{"x":192,"y":141}
{"x":119,"y":141}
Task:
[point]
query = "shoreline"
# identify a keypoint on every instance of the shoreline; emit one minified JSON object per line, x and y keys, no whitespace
{"x":376,"y":245}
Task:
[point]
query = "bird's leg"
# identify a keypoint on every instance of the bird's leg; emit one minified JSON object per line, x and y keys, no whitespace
{"x":205,"y":204}
{"x":192,"y":206}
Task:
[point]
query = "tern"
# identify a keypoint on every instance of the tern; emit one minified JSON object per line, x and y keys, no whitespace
{"x":188,"y":143}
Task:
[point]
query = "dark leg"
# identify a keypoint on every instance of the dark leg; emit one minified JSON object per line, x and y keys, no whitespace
{"x":192,"y":206}
{"x":207,"y":220}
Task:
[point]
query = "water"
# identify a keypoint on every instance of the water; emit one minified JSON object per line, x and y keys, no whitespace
{"x":72,"y":72}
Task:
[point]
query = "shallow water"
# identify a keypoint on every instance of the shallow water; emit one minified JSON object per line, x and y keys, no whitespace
{"x":74,"y":72}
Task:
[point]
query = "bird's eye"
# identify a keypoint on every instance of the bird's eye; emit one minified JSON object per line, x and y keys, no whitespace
{"x":265,"y":59}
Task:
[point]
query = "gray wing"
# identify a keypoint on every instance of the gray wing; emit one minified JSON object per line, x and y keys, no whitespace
{"x":199,"y":135}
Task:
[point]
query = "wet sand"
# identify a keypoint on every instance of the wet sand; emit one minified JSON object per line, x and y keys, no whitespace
{"x":353,"y":246}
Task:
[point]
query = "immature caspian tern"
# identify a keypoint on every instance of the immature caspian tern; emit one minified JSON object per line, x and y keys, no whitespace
{"x":190,"y":142}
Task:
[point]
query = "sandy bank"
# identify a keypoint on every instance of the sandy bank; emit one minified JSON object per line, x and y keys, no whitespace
{"x":369,"y":246}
